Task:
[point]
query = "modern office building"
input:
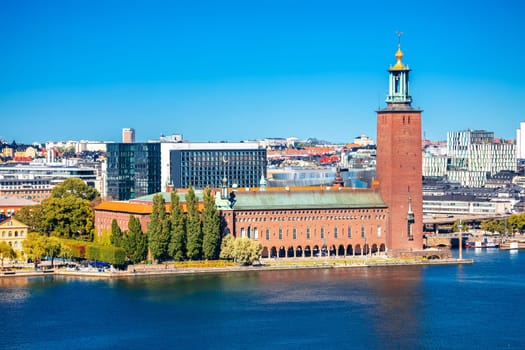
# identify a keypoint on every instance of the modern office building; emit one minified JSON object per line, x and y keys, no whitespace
{"x":206,"y":164}
{"x":133,"y":170}
{"x":474,"y":154}
{"x":128,"y":135}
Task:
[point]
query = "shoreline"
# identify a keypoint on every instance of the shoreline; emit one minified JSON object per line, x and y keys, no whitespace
{"x":289,"y":265}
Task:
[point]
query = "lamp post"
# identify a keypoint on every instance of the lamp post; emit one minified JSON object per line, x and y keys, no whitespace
{"x":460,"y":240}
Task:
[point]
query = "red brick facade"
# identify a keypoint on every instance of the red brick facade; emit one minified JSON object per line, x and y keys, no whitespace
{"x":399,"y":171}
{"x":304,"y":232}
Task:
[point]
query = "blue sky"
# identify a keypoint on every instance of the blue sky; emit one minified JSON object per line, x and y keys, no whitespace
{"x":238,"y":70}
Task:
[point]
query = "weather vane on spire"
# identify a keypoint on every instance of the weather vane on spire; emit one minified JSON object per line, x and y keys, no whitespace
{"x":399,"y":34}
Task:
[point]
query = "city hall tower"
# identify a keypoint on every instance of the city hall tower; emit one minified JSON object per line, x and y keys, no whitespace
{"x":398,"y":167}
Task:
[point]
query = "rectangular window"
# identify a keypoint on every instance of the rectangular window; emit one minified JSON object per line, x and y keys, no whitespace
{"x":378,"y":231}
{"x":280,"y":233}
{"x":322,"y":232}
{"x":335,"y":232}
{"x":267,"y":234}
{"x":362,"y":232}
{"x":349,"y":232}
{"x":294,"y":233}
{"x":308,"y":233}
{"x":255,"y":234}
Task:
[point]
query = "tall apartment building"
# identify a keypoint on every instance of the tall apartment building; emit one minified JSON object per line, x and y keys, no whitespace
{"x":128,"y":135}
{"x":206,"y":164}
{"x":133,"y":170}
{"x":473,"y":154}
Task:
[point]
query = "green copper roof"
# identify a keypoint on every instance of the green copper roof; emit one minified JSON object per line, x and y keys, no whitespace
{"x":307,"y":200}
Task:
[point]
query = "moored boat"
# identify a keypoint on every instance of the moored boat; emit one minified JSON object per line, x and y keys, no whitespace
{"x":484,"y":243}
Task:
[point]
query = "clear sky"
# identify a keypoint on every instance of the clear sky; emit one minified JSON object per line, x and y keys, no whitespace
{"x":239,"y":70}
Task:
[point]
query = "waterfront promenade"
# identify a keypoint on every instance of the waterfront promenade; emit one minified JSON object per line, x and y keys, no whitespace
{"x":265,"y":265}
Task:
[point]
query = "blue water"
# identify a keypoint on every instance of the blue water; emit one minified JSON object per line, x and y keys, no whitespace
{"x":479,"y":306}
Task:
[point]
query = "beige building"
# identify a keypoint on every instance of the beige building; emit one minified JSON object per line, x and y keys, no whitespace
{"x":128,"y":135}
{"x":14,"y":233}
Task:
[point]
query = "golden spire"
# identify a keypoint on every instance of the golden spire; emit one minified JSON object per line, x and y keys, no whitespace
{"x":399,"y":53}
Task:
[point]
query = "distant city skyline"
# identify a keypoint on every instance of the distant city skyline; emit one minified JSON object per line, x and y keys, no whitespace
{"x":235,"y":70}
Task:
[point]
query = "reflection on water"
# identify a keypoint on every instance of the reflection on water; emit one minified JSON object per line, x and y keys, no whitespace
{"x":398,"y":307}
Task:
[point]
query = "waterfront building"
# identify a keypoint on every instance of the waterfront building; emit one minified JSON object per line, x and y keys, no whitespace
{"x":14,"y":233}
{"x":206,"y":164}
{"x":132,"y":170}
{"x":128,"y":135}
{"x":297,"y":223}
{"x":399,"y":163}
{"x":290,"y":222}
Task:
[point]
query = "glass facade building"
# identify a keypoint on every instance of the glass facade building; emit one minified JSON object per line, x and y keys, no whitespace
{"x":133,"y":170}
{"x":207,"y":167}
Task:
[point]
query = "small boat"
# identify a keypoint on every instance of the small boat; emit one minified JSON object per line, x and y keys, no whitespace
{"x":485,"y":243}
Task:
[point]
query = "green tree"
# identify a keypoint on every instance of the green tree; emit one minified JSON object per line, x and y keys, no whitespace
{"x":6,"y":251}
{"x":74,"y":187}
{"x":193,"y":227}
{"x":493,"y":226}
{"x":66,"y":252}
{"x":116,"y":234}
{"x":242,"y":250}
{"x":516,"y":222}
{"x":103,"y":238}
{"x":68,"y":217}
{"x":177,"y":246}
{"x":33,"y":217}
{"x":211,"y":226}
{"x":227,"y":247}
{"x":135,"y":242}
{"x":34,"y":247}
{"x":158,"y":229}
{"x":52,"y":247}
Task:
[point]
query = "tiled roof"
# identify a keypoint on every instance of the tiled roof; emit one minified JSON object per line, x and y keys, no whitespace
{"x":14,"y":223}
{"x":15,"y":201}
{"x":125,"y":207}
{"x":307,"y":200}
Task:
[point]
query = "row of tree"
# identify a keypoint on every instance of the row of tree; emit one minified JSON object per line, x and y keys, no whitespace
{"x":175,"y":235}
{"x":514,"y":223}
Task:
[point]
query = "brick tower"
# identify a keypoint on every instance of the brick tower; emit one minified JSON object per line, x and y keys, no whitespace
{"x":398,"y":167}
